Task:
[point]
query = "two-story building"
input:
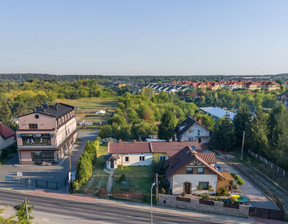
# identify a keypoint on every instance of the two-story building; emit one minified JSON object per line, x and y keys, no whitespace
{"x":190,"y":172}
{"x":192,"y":130}
{"x":46,"y":134}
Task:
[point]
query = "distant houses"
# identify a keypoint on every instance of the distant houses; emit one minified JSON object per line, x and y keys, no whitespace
{"x":283,"y":98}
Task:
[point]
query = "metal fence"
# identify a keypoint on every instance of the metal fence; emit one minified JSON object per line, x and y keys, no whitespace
{"x":31,"y":182}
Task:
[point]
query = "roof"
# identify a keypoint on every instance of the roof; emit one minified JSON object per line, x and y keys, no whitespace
{"x":171,"y":148}
{"x":185,"y":156}
{"x":57,"y":110}
{"x":209,"y":157}
{"x":217,"y":112}
{"x":5,"y":131}
{"x":129,"y":147}
{"x":186,"y":124}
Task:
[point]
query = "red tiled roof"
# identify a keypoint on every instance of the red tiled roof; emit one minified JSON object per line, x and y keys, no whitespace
{"x":129,"y":147}
{"x":210,"y":158}
{"x":5,"y":131}
{"x":171,"y":148}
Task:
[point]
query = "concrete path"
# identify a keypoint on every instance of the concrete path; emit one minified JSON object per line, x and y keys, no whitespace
{"x":257,"y":197}
{"x":110,"y":181}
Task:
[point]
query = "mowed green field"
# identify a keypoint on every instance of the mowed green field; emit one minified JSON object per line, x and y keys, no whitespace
{"x":86,"y":109}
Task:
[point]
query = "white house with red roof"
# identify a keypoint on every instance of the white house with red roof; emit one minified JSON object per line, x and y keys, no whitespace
{"x":7,"y":136}
{"x":188,"y":169}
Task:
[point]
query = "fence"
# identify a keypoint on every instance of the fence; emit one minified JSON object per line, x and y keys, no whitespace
{"x":27,"y":182}
{"x":121,"y":194}
{"x":266,"y":213}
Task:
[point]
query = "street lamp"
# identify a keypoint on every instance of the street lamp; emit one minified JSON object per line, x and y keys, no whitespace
{"x":151,"y":203}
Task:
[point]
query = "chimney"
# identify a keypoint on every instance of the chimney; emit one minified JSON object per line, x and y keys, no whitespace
{"x":134,"y":141}
{"x":200,"y":122}
{"x":120,"y":140}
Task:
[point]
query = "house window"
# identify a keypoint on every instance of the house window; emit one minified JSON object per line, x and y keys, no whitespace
{"x":141,"y":158}
{"x":190,"y":139}
{"x":126,"y":158}
{"x":189,"y":170}
{"x":204,"y":185}
{"x":198,"y":132}
{"x":200,"y":170}
{"x":33,"y":126}
{"x":162,"y":158}
{"x":190,"y":131}
{"x":193,"y":147}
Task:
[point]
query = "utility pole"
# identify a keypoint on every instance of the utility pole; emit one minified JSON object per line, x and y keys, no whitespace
{"x":157,"y":188}
{"x":27,"y":213}
{"x":242,"y":145}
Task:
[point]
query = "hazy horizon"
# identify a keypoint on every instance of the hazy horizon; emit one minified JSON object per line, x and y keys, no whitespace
{"x":164,"y":37}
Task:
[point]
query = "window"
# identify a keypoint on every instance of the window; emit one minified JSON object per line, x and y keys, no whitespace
{"x":189,"y":170}
{"x":36,"y":116}
{"x":33,"y":126}
{"x":126,"y":158}
{"x":190,"y":139}
{"x":141,"y":158}
{"x":193,"y":147}
{"x":190,"y":131}
{"x":200,"y":170}
{"x":204,"y":185}
{"x":162,"y":158}
{"x":198,"y":132}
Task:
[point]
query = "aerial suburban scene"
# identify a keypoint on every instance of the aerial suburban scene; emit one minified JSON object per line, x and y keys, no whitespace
{"x":132,"y":112}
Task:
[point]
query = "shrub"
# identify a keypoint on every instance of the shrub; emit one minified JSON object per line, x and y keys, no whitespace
{"x":205,"y":196}
{"x":232,"y":200}
{"x":163,"y":190}
{"x":121,"y":179}
{"x":75,"y":186}
{"x":199,"y":187}
{"x":238,"y":179}
{"x":240,"y":182}
{"x":210,"y":188}
{"x":217,"y":198}
{"x":224,"y":191}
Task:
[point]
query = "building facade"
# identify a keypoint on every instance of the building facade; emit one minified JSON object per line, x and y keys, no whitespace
{"x":46,"y":134}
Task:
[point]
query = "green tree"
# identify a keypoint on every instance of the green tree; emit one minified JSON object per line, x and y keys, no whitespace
{"x":5,"y":113}
{"x":106,"y":131}
{"x":259,"y":132}
{"x":242,"y":122}
{"x":21,"y":212}
{"x":167,"y":126}
{"x":84,"y":169}
{"x":223,"y":137}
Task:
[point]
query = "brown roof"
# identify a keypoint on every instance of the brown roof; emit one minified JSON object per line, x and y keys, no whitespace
{"x":5,"y":131}
{"x":185,"y":156}
{"x":210,"y":157}
{"x":129,"y":147}
{"x":171,"y":148}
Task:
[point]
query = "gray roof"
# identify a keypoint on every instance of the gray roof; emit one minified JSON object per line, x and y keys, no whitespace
{"x":58,"y":110}
{"x":217,"y":112}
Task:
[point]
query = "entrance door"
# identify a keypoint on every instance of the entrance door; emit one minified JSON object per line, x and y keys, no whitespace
{"x":199,"y":140}
{"x":187,"y":188}
{"x":112,"y":164}
{"x":36,"y":157}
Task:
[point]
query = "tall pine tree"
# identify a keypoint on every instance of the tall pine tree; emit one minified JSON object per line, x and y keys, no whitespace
{"x":167,"y":126}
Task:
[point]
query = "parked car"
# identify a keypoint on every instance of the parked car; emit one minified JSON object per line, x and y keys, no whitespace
{"x":218,"y":167}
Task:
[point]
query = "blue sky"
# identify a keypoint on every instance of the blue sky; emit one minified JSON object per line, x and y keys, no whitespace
{"x":147,"y":37}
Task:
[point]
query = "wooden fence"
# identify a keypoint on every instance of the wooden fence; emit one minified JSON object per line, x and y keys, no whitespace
{"x":121,"y":194}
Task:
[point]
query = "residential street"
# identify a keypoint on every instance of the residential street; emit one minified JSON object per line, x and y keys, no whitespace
{"x":75,"y":209}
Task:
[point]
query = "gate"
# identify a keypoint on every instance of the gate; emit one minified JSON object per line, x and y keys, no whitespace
{"x":266,"y":213}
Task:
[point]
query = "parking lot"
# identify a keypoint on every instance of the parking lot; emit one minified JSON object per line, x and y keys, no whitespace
{"x":56,"y":173}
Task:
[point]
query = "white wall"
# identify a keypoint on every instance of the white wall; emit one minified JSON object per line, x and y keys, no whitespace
{"x":194,"y":134}
{"x":6,"y":142}
{"x":69,"y":127}
{"x":179,"y":179}
{"x":134,"y":159}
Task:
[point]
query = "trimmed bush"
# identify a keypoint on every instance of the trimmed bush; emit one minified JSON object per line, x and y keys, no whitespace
{"x":199,"y":187}
{"x":205,"y":196}
{"x":210,"y":188}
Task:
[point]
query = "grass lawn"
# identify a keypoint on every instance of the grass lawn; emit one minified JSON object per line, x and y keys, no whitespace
{"x":99,"y":177}
{"x":139,"y":179}
{"x":86,"y":108}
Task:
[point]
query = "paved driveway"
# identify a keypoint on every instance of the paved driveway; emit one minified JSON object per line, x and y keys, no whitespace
{"x":257,"y":197}
{"x":52,"y":173}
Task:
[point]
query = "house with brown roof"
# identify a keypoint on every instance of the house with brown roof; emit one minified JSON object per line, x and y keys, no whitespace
{"x":188,"y":169}
{"x":192,"y":130}
{"x":143,"y":153}
{"x":7,"y":136}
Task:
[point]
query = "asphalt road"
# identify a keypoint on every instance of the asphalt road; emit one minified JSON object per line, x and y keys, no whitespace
{"x":50,"y":210}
